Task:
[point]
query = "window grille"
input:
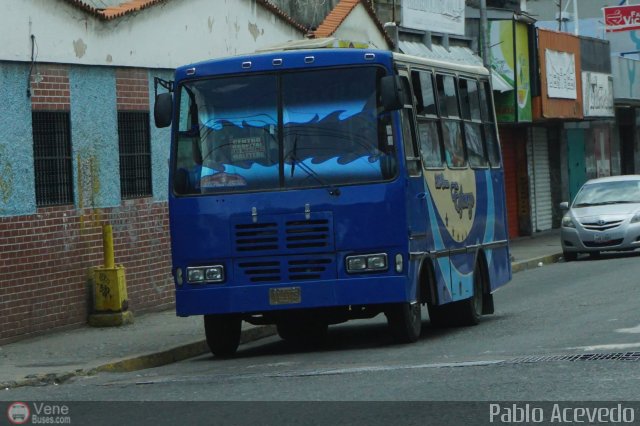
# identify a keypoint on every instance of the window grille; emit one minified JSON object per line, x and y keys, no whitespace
{"x":52,"y":158}
{"x":135,"y":154}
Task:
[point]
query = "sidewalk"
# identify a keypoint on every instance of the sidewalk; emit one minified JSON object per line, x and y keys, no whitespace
{"x":161,"y":338}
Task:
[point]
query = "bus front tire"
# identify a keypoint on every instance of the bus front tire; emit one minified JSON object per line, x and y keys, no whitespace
{"x":405,"y":321}
{"x":223,"y":334}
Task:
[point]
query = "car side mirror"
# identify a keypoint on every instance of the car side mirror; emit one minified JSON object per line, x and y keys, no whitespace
{"x":564,"y":205}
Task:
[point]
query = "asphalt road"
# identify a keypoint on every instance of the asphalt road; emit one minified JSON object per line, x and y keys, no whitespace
{"x":536,"y":347}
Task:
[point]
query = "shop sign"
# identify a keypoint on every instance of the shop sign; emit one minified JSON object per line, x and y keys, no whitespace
{"x":622,"y":18}
{"x":561,"y":74}
{"x":509,"y":53}
{"x":597,"y":92}
{"x":442,"y":16}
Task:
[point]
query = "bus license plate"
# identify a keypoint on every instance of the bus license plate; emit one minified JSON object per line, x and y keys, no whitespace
{"x":284,"y":296}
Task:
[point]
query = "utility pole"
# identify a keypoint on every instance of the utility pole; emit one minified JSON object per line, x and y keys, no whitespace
{"x":484,"y":34}
{"x":560,"y":15}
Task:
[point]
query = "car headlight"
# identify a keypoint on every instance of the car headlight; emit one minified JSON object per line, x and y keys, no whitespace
{"x":635,"y":218}
{"x":567,"y":222}
{"x":367,"y":263}
{"x":205,"y":274}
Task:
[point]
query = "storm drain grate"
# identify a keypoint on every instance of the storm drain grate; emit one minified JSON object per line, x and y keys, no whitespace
{"x":616,"y":356}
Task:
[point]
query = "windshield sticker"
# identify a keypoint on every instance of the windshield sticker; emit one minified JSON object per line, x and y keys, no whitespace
{"x":243,"y":149}
{"x":222,"y":180}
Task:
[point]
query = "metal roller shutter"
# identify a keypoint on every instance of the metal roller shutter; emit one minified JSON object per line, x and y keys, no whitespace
{"x":540,"y":187}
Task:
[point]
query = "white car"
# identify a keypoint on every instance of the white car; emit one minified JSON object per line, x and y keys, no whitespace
{"x":604,"y":216}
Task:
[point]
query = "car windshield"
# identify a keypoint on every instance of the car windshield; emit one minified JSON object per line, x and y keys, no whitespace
{"x":277,"y":131}
{"x":612,"y":192}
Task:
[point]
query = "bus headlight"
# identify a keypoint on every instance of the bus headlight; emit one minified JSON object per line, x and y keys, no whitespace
{"x":367,"y":263}
{"x":205,"y":274}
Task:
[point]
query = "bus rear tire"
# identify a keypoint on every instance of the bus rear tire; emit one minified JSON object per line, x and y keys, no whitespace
{"x":405,"y":321}
{"x":223,"y":334}
{"x":470,"y":310}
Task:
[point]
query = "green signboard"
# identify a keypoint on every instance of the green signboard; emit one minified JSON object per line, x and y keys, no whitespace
{"x":509,"y":56}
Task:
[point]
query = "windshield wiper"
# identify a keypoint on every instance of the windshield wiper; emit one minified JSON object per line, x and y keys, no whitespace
{"x":293,"y":156}
{"x":309,"y":171}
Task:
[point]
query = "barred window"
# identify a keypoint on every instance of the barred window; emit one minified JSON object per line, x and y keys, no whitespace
{"x":52,"y":158}
{"x":135,"y":154}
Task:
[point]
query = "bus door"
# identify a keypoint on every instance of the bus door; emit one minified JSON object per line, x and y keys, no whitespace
{"x":416,"y":191}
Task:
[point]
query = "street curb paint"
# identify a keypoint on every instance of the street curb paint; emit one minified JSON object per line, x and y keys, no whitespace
{"x":534,"y":263}
{"x":138,"y":362}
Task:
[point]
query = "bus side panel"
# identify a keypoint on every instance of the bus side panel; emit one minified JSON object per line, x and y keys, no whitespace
{"x":442,"y":269}
{"x":499,"y":266}
{"x":498,"y":259}
{"x":462,"y":275}
{"x":454,"y":272}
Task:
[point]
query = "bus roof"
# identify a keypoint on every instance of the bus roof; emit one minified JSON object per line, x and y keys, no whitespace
{"x":285,"y":59}
{"x":329,"y":51}
{"x":441,"y":64}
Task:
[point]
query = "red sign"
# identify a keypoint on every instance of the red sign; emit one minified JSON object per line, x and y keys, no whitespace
{"x":622,"y":18}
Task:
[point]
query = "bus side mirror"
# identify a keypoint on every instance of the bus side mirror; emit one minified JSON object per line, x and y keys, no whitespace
{"x":163,"y":110}
{"x":391,"y":92}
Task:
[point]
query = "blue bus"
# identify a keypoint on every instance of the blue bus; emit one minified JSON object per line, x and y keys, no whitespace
{"x":309,"y":187}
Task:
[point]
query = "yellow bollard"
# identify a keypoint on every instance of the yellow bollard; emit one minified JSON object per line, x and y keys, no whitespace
{"x":110,"y":306}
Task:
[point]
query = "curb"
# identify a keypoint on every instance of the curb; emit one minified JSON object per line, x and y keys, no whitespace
{"x":197,"y":348}
{"x":535,"y":262}
{"x":138,"y":362}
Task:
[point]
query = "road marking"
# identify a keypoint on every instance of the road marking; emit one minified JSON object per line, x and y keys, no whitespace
{"x":634,"y":330}
{"x":366,"y":369}
{"x":607,"y":347}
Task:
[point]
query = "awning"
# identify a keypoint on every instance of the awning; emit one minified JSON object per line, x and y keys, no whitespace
{"x":499,"y":84}
{"x":458,"y":54}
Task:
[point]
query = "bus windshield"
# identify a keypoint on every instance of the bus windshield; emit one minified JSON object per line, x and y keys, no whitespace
{"x":280,"y":131}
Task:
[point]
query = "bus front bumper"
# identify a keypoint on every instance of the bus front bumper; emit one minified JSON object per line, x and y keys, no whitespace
{"x":255,"y":298}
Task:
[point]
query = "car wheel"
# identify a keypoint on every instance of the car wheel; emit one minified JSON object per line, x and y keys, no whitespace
{"x":569,"y":256}
{"x":223,"y":334}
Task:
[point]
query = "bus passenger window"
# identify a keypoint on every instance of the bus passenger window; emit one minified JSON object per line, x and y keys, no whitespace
{"x":409,"y":134}
{"x":447,"y":98}
{"x":470,"y":105}
{"x":489,"y":127}
{"x":453,"y":145}
{"x":475,"y":150}
{"x":425,"y":94}
{"x":430,"y":143}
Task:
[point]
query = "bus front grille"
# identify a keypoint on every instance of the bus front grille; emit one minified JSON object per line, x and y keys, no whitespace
{"x":283,"y":235}
{"x":285,"y":269}
{"x":307,"y":233}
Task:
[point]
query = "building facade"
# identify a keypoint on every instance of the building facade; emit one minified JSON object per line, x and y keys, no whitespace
{"x":79,"y":149}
